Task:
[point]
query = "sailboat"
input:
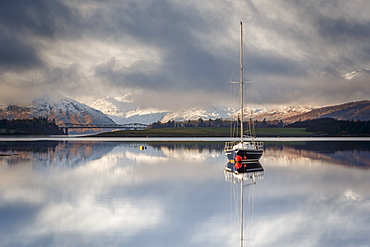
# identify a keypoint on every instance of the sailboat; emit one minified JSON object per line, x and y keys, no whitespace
{"x":242,"y":151}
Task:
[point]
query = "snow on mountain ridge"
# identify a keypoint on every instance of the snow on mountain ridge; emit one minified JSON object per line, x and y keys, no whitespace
{"x":145,"y":111}
{"x":122,"y":114}
{"x":122,"y":110}
{"x":112,"y":106}
{"x":55,"y":106}
{"x":268,"y":114}
{"x":64,"y":109}
{"x":195,"y":113}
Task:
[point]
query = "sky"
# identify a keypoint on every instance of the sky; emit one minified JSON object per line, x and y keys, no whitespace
{"x":175,"y":54}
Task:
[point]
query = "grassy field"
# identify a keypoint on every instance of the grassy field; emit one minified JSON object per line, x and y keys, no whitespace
{"x":203,"y":132}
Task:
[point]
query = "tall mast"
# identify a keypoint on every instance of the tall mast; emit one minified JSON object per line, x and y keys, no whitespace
{"x":241,"y":81}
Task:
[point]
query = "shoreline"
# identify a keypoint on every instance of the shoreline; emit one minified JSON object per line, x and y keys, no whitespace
{"x":178,"y":139}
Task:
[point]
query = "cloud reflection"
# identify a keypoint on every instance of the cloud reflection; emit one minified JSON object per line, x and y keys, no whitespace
{"x":88,"y":216}
{"x":114,"y":194}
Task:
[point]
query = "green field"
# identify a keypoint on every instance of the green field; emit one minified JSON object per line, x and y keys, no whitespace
{"x":204,"y":132}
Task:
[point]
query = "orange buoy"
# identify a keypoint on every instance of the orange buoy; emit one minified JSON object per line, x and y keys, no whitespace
{"x":238,"y":161}
{"x":238,"y":158}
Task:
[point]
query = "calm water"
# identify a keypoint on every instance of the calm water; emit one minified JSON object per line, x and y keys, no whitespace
{"x":85,"y":193}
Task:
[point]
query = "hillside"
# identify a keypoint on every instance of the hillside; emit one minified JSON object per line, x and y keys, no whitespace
{"x":359,"y":110}
{"x":278,"y":113}
{"x":123,"y":110}
{"x":55,"y":106}
{"x":34,"y":126}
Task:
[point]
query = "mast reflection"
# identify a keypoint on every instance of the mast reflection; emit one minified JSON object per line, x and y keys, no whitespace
{"x":245,"y":174}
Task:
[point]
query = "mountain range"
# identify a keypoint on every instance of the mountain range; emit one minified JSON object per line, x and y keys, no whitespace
{"x":359,"y":110}
{"x":55,"y":106}
{"x":122,"y":110}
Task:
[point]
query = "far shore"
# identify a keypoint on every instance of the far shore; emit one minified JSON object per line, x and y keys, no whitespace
{"x":190,"y":134}
{"x":214,"y":132}
{"x":205,"y":132}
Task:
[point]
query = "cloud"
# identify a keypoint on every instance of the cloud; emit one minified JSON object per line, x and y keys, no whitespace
{"x":183,"y":50}
{"x":16,"y":55}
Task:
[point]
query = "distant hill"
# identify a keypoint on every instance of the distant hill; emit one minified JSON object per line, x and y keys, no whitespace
{"x":122,"y":110}
{"x":55,"y":106}
{"x":359,"y":110}
{"x":279,"y":113}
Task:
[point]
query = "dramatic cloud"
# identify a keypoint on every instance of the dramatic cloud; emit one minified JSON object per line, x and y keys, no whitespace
{"x":185,"y":52}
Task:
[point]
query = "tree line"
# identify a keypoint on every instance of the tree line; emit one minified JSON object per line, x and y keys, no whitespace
{"x":217,"y":123}
{"x":33,"y":126}
{"x":322,"y":126}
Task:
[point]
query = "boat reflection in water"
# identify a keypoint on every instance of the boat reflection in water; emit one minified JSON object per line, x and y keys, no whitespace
{"x":244,"y":168}
{"x":245,"y":174}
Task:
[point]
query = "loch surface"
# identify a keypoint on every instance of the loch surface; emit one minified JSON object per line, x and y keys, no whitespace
{"x":111,"y":193}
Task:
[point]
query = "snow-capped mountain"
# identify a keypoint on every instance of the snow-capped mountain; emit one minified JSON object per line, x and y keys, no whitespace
{"x":358,"y":110}
{"x":197,"y":112}
{"x":116,"y":107}
{"x":268,"y":114}
{"x":58,"y":107}
{"x":122,"y":110}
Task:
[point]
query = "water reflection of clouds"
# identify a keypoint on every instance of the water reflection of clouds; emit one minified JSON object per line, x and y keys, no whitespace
{"x":298,"y":155}
{"x":105,"y":193}
{"x":118,"y":195}
{"x":165,"y":154}
{"x":88,"y":216}
{"x":73,"y":203}
{"x":312,"y":205}
{"x":55,"y":154}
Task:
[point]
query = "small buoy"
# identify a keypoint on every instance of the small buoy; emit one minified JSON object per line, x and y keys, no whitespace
{"x":238,"y":165}
{"x":142,"y":147}
{"x":238,"y":158}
